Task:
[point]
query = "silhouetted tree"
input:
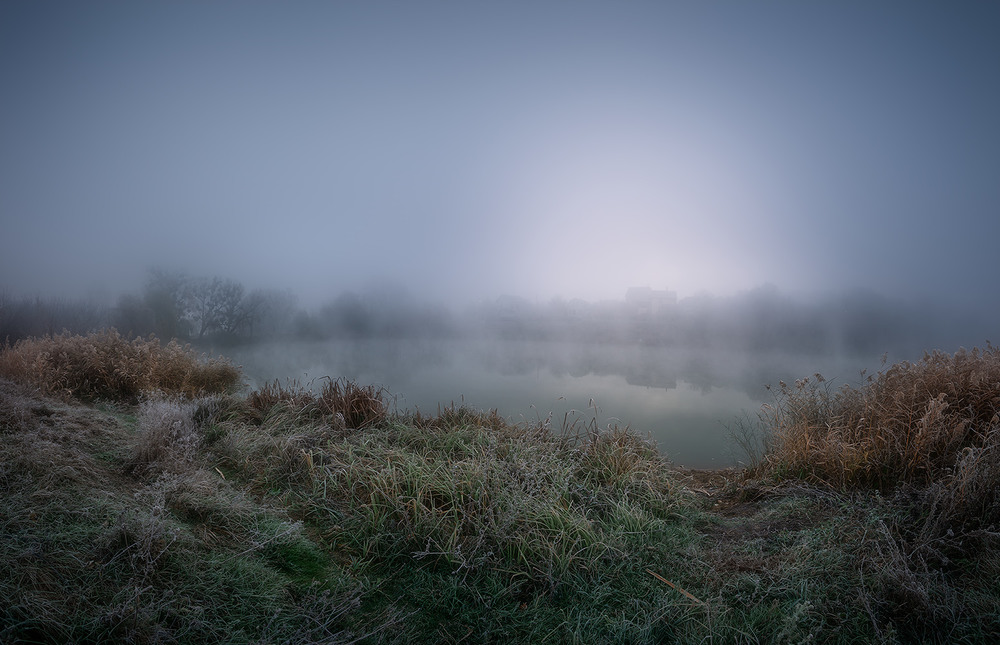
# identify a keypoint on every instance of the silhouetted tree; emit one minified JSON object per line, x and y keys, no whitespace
{"x":163,"y":294}
{"x":132,"y":317}
{"x":214,"y":304}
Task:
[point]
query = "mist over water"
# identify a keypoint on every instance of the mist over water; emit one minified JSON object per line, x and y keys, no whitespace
{"x":683,"y":370}
{"x":687,"y":400}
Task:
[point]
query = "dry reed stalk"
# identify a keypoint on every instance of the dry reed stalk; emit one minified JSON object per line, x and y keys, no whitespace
{"x":675,"y":587}
{"x":907,"y":424}
{"x":106,"y":365}
{"x":360,"y":406}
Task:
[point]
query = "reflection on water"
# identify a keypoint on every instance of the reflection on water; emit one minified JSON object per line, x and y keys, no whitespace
{"x":684,"y":399}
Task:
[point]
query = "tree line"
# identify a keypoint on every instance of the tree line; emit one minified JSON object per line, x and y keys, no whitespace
{"x":170,"y":305}
{"x":220,"y":310}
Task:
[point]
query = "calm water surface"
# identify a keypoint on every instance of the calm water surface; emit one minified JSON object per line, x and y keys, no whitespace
{"x":686,"y":400}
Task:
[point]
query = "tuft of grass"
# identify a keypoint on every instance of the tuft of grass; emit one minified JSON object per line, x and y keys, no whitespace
{"x":518,"y":512}
{"x":106,"y":365}
{"x":360,"y":406}
{"x":341,"y":402}
{"x":269,"y":395}
{"x":457,"y":416}
{"x":168,"y":437}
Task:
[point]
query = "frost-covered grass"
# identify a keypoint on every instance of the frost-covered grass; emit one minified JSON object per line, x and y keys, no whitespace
{"x":286,"y":516}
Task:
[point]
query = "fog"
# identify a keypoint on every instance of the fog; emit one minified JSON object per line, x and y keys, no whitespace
{"x":686,"y":371}
{"x":464,"y":151}
{"x":810,"y":178}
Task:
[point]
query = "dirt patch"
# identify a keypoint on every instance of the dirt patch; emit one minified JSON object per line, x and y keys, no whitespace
{"x":709,"y":484}
{"x":750,"y":522}
{"x":722,"y":491}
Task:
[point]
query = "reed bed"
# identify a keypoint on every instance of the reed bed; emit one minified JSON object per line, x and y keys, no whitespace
{"x":106,"y":365}
{"x":912,"y":423}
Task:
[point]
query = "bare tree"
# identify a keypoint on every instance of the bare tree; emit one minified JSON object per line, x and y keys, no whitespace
{"x":215,"y":304}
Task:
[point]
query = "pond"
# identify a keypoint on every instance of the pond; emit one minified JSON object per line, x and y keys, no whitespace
{"x":688,"y":400}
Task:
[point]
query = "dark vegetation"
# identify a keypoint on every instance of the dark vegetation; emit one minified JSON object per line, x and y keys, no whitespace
{"x":762,"y":319}
{"x":218,"y":311}
{"x":164,"y":511}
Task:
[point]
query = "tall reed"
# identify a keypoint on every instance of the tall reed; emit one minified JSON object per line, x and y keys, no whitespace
{"x":910,"y":423}
{"x":106,"y":365}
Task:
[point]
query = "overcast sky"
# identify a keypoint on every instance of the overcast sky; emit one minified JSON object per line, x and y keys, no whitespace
{"x":470,"y":149}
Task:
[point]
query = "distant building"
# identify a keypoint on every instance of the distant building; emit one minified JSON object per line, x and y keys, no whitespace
{"x":645,"y":301}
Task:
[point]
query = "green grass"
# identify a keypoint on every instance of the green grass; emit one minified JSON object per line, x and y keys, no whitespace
{"x":285,"y":516}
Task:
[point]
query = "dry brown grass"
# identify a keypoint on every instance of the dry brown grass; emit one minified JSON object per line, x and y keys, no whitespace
{"x":341,"y":401}
{"x":106,"y":365}
{"x":267,"y":396}
{"x":911,"y":423}
{"x":361,"y":405}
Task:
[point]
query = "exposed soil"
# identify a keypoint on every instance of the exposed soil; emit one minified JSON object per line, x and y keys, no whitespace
{"x":751,"y":523}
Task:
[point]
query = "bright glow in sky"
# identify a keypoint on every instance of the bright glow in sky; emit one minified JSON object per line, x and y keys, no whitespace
{"x":465,"y":150}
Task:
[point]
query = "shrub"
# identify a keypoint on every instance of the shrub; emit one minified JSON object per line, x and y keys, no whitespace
{"x":616,"y":456}
{"x":106,"y":365}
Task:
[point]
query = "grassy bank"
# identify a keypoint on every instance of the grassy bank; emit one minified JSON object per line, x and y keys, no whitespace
{"x":142,"y":508}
